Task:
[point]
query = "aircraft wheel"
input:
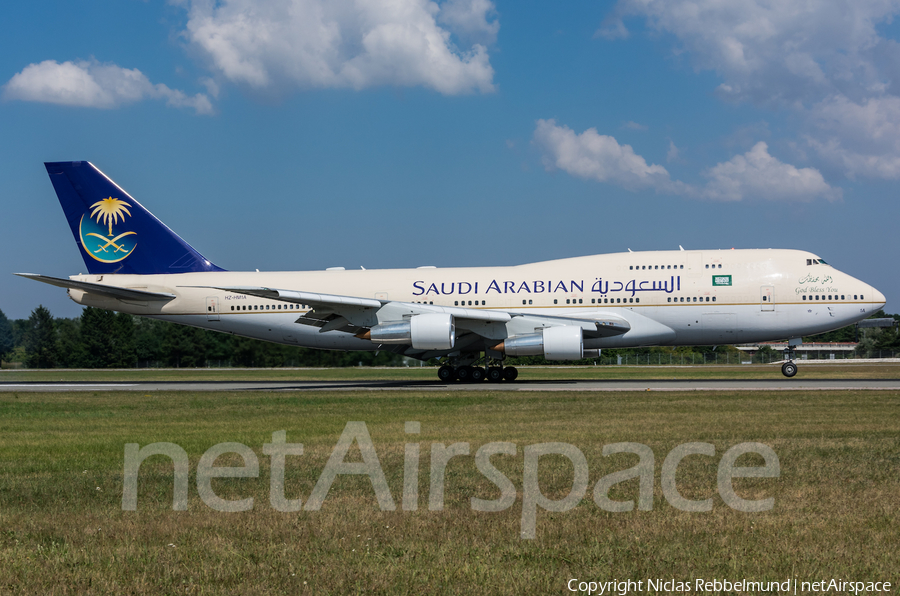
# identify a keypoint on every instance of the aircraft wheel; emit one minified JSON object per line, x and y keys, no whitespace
{"x":495,"y":374}
{"x":446,"y":373}
{"x":510,"y":373}
{"x":789,"y":369}
{"x":477,"y":374}
{"x":464,"y":374}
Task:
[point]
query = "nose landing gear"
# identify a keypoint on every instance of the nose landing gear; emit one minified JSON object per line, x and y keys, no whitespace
{"x":789,"y":369}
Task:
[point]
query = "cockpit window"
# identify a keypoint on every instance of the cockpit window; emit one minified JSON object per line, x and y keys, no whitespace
{"x":816,"y":262}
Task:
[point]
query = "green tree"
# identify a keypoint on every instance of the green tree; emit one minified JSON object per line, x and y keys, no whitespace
{"x":96,"y":337}
{"x":68,"y":333}
{"x":40,"y":340}
{"x":124,"y":347}
{"x":6,"y":336}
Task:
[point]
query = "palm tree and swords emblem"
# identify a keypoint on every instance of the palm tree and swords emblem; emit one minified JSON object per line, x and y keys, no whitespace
{"x":107,"y":248}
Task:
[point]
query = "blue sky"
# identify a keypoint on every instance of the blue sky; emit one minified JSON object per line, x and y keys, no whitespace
{"x":290,"y":135}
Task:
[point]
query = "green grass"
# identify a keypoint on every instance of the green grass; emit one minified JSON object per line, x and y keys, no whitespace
{"x":62,"y":528}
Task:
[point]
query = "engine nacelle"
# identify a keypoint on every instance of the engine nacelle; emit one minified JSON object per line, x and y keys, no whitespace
{"x":553,"y":343}
{"x":431,"y":331}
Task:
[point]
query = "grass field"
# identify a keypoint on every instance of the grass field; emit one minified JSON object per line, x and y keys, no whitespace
{"x":836,"y":507}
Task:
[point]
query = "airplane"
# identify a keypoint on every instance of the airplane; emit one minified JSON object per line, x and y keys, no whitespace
{"x":470,"y":318}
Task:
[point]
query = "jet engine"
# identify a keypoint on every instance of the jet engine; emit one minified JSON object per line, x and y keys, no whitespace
{"x":431,"y":331}
{"x":553,"y":343}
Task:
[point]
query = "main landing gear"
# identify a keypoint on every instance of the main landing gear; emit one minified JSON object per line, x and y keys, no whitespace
{"x":789,"y":369}
{"x":476,"y":374}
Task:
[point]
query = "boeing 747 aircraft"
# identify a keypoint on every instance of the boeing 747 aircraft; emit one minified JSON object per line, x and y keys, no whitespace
{"x":471,"y":318}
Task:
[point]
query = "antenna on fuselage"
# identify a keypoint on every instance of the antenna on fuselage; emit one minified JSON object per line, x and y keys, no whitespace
{"x":681,"y":247}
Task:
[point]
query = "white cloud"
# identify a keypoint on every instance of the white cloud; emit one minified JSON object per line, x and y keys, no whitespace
{"x":673,"y":152}
{"x":597,"y":157}
{"x":755,"y":175}
{"x":774,"y":51}
{"x":861,"y":138}
{"x":355,"y":44}
{"x":824,"y":61}
{"x":94,"y":85}
{"x":632,"y":125}
{"x":758,"y":175}
{"x":468,"y":19}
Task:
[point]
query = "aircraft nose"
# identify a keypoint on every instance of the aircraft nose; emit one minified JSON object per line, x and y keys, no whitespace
{"x":879,"y":297}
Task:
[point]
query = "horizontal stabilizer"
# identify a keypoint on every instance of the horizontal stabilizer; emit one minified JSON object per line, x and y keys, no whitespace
{"x":99,"y":289}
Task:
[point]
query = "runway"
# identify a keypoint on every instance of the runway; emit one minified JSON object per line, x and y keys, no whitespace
{"x":775,"y":384}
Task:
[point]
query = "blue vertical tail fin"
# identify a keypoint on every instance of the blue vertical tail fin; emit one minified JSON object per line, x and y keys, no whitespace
{"x":114,"y":232}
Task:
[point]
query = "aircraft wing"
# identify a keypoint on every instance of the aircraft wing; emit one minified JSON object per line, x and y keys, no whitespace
{"x":351,"y":313}
{"x":100,"y":289}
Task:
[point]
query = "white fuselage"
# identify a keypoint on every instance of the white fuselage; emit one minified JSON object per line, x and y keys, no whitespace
{"x":670,"y":297}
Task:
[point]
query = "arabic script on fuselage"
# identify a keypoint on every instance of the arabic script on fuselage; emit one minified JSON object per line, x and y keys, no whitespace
{"x":600,"y":286}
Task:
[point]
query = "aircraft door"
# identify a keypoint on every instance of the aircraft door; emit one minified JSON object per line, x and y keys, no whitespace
{"x":212,"y":308}
{"x":767,"y":298}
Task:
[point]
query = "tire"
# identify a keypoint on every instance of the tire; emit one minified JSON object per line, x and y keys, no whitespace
{"x":510,"y":373}
{"x":789,"y":369}
{"x":477,"y":374}
{"x":495,"y":374}
{"x":464,"y":374}
{"x":447,"y":373}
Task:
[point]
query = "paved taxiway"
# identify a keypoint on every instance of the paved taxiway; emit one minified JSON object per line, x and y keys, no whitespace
{"x":775,"y":384}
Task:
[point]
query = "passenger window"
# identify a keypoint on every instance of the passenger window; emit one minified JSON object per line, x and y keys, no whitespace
{"x":842,"y":296}
{"x":529,"y":302}
{"x":637,"y":299}
{"x":681,"y":267}
{"x":861,"y":297}
{"x":630,"y":267}
{"x":670,"y":299}
{"x":707,"y":265}
{"x":714,"y":298}
{"x":554,"y":301}
{"x":456,"y":303}
{"x":764,"y":298}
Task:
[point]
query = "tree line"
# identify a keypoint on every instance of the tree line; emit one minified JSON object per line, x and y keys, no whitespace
{"x":105,"y":339}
